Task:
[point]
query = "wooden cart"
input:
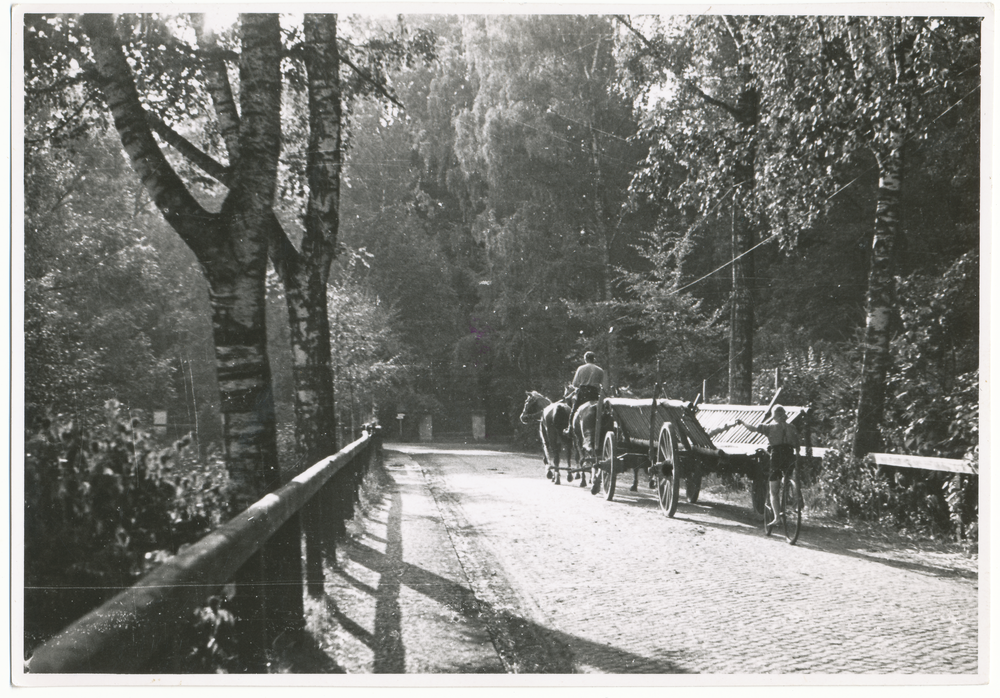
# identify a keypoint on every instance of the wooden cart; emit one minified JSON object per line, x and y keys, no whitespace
{"x":665,"y":437}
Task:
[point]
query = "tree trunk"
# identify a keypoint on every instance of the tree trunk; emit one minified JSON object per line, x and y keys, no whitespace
{"x":881,"y":305}
{"x":741,"y":309}
{"x":310,"y":330}
{"x":305,"y":275}
{"x":231,"y":247}
{"x":232,"y":251}
{"x":741,"y":313}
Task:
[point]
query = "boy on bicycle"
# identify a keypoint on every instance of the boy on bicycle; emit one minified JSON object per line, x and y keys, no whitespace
{"x":783,"y":446}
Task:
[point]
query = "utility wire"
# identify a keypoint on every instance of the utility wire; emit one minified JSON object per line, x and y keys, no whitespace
{"x":867,"y":171}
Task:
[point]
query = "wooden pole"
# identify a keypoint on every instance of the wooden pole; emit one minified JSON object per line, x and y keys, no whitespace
{"x":652,"y":426}
{"x":771,"y":405}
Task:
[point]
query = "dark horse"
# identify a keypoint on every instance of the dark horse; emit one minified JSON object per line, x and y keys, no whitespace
{"x":553,"y":418}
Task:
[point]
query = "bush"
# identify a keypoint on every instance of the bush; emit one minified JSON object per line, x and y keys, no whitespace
{"x":853,"y":487}
{"x":927,"y":502}
{"x":102,"y":508}
{"x":932,"y":391}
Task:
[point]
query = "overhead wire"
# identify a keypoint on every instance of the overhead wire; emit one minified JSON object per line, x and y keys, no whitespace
{"x":879,"y":52}
{"x":838,"y":191}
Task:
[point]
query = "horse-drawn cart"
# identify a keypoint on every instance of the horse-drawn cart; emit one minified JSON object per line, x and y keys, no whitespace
{"x":665,"y":437}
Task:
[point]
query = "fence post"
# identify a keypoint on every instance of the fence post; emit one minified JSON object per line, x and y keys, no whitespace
{"x":250,"y":611}
{"x":283,"y":560}
{"x":323,"y":505}
{"x":312,"y":520}
{"x":268,"y":600}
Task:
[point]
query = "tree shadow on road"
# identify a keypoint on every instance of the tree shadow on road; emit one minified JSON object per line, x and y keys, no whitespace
{"x":816,"y":534}
{"x":523,"y":645}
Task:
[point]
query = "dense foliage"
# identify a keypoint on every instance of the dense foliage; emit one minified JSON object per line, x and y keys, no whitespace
{"x":103,"y":506}
{"x":935,"y":378}
{"x":113,"y":307}
{"x":942,"y":504}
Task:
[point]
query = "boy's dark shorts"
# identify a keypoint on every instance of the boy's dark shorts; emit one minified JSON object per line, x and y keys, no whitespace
{"x":782,"y":461}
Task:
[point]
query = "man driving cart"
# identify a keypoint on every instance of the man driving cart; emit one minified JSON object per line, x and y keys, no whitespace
{"x":587,"y":383}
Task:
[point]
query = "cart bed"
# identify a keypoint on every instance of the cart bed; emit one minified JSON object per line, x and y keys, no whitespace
{"x":633,"y":415}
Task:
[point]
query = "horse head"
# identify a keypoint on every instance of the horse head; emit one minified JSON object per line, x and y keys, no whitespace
{"x":534,"y":403}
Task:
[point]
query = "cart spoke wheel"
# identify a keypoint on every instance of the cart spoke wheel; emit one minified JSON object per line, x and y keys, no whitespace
{"x":609,"y":466}
{"x":793,"y":512}
{"x":667,"y":483}
{"x":759,"y":493}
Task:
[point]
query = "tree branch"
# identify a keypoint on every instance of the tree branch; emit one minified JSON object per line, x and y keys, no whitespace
{"x":60,"y":84}
{"x":283,"y":254}
{"x":66,"y":122}
{"x":166,"y":189}
{"x":217,"y":82}
{"x":69,"y":190}
{"x":687,"y":83}
{"x":374,"y":83}
{"x":199,"y":158}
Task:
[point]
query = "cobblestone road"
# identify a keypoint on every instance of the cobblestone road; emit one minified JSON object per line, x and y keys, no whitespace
{"x":616,"y":587}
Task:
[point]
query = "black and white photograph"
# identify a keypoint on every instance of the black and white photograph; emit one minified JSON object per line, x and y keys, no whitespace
{"x":507,"y":345}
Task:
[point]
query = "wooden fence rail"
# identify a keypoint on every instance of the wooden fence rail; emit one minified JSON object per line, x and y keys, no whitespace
{"x":945,"y":465}
{"x":122,"y":635}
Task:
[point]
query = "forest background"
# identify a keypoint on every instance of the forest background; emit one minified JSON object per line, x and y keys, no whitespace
{"x":699,"y":200}
{"x":530,"y":196}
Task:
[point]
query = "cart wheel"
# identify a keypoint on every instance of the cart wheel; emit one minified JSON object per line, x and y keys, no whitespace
{"x":609,"y":468}
{"x":758,"y":494}
{"x":694,"y":485}
{"x":667,"y":483}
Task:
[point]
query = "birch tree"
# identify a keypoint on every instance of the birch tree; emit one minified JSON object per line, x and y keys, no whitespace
{"x":231,"y":244}
{"x":892,"y":78}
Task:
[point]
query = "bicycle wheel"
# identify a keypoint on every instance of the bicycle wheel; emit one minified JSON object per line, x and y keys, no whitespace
{"x":792,"y":517}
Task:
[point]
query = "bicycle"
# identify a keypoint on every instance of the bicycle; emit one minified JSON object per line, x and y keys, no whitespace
{"x":790,"y":501}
